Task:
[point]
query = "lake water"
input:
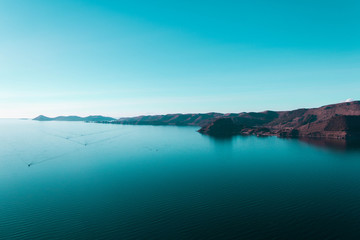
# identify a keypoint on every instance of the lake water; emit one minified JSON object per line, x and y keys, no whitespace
{"x":102,"y":181}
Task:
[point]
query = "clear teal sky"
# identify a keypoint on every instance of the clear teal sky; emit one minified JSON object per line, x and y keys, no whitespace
{"x":125,"y":58}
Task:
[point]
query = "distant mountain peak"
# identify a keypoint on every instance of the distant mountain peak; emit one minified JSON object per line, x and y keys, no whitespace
{"x":42,"y":118}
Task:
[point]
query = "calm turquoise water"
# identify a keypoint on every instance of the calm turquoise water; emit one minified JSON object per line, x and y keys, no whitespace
{"x":98,"y":181}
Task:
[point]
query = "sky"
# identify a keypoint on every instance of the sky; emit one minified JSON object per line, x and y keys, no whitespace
{"x":128,"y":58}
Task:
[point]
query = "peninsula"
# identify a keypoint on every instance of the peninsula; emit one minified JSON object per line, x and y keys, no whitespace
{"x":337,"y":121}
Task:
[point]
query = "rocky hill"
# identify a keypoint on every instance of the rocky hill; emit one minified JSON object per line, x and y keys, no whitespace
{"x":341,"y":121}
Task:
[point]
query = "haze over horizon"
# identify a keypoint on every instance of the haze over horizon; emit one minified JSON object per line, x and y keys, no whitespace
{"x":121,"y":58}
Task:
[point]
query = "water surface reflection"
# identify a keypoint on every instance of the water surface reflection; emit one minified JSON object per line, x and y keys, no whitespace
{"x":333,"y":144}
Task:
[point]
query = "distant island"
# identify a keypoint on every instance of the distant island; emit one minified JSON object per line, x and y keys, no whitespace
{"x":335,"y":121}
{"x":94,"y":118}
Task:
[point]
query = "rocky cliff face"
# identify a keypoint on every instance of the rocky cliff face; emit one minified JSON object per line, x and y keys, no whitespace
{"x":341,"y":121}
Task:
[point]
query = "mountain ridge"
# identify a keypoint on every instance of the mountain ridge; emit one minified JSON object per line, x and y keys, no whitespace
{"x":340,"y":121}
